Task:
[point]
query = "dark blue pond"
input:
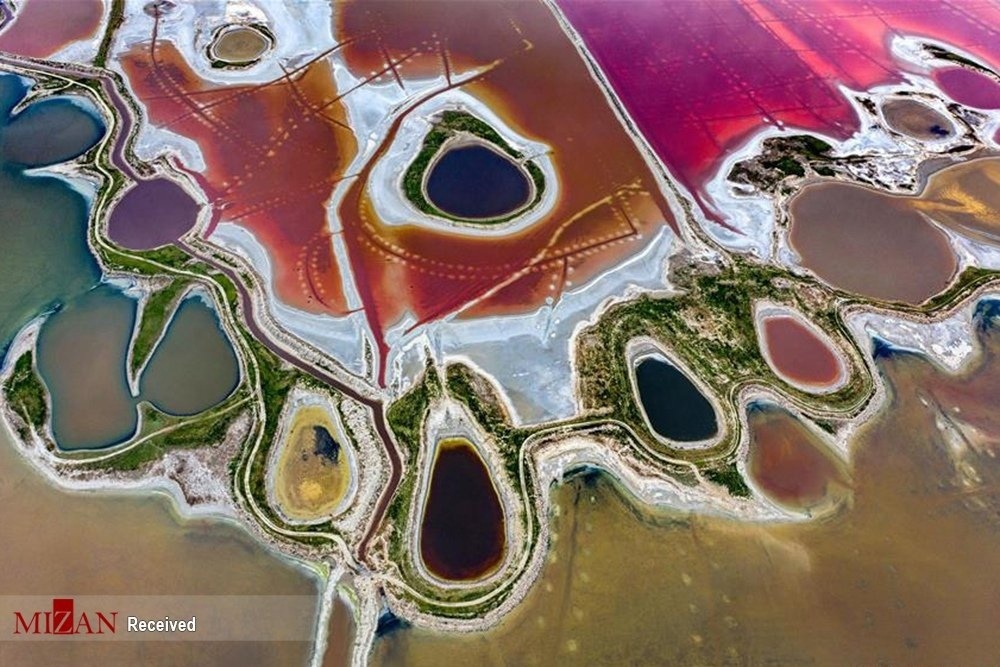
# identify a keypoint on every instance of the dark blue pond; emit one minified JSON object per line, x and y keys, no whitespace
{"x":674,"y":405}
{"x":477,"y":182}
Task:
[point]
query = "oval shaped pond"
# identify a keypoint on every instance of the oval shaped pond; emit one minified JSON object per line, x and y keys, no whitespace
{"x":869,"y":242}
{"x":81,"y":358}
{"x":477,"y":183}
{"x":916,"y":120}
{"x":239,"y":45}
{"x":968,"y":87}
{"x":674,"y":406}
{"x":313,"y":474}
{"x":789,"y":464}
{"x":462,"y":534}
{"x":194,"y":366}
{"x":798,"y":354}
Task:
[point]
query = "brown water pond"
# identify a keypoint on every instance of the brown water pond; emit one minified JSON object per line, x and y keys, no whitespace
{"x":798,"y":353}
{"x":462,"y":534}
{"x":790,"y":465}
{"x":870,"y":243}
{"x":917,"y":120}
{"x":239,"y":45}
{"x":906,"y":574}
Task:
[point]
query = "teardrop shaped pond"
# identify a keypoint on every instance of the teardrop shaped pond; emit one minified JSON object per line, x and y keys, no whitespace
{"x":799,"y":355}
{"x":313,"y":474}
{"x":789,"y":464}
{"x":462,"y":534}
{"x":674,"y":405}
{"x":477,"y":183}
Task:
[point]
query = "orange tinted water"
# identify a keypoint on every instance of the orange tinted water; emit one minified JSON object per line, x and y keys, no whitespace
{"x":789,"y":464}
{"x":608,"y":206}
{"x":273,"y":154}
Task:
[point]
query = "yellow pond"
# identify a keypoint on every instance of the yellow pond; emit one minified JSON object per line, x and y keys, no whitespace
{"x":966,"y":198}
{"x":314,"y":473}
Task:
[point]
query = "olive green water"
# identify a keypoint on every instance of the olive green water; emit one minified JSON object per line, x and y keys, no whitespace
{"x":906,"y":574}
{"x":194,"y":366}
{"x":82,"y":358}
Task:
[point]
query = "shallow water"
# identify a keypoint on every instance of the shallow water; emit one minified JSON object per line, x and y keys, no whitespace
{"x":916,"y":120}
{"x":906,"y":574}
{"x":81,"y":358}
{"x":313,"y":472}
{"x":193,"y":366}
{"x":240,"y":45}
{"x":59,"y":543}
{"x":790,"y":464}
{"x":966,"y":199}
{"x":43,"y":224}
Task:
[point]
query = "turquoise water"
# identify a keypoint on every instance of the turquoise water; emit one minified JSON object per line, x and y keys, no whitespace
{"x":43,"y":224}
{"x":51,"y":131}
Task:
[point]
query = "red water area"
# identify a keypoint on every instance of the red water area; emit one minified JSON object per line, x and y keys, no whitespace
{"x":799,"y":354}
{"x":967,"y":87}
{"x":609,"y":206}
{"x":699,"y":78}
{"x":273,"y":153}
{"x":43,"y":27}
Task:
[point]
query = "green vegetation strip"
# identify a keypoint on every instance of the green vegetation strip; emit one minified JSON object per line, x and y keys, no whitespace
{"x":156,"y":311}
{"x":26,"y":394}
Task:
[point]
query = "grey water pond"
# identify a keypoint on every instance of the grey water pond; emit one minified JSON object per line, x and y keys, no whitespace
{"x":194,"y":367}
{"x":82,"y":355}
